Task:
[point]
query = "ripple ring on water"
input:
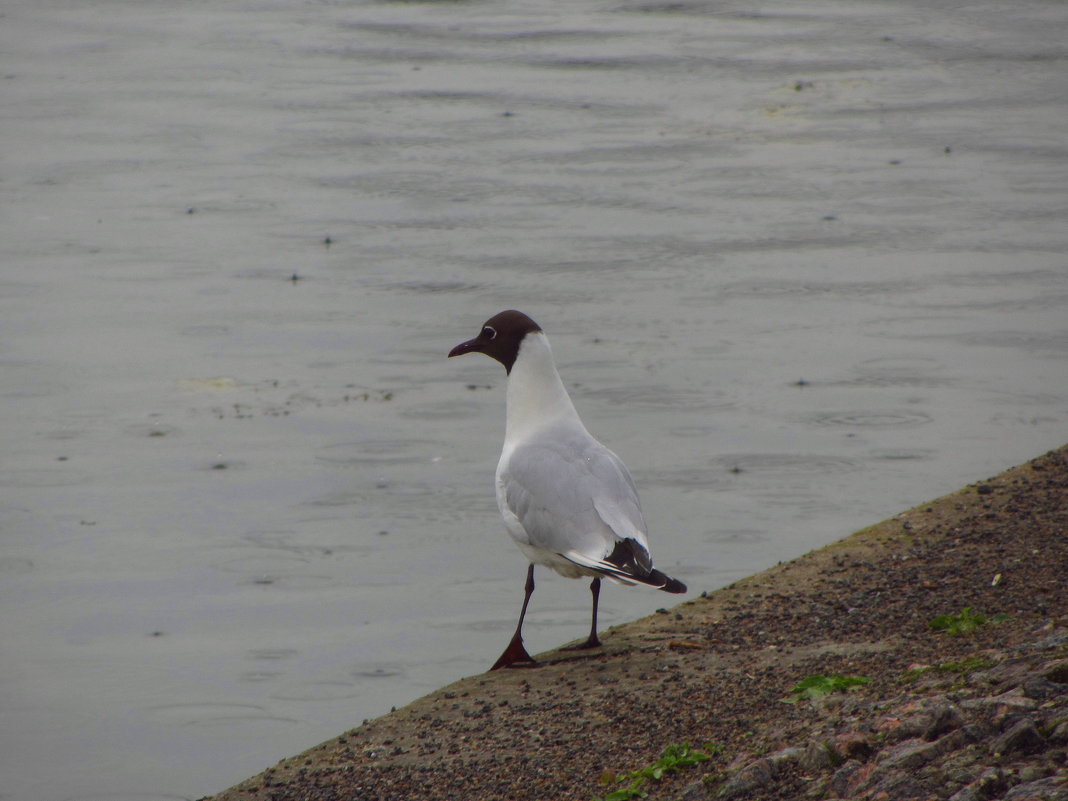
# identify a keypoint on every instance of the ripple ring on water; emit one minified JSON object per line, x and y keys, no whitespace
{"x":884,"y":418}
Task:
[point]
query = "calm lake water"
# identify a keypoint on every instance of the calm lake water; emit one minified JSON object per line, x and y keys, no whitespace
{"x":802,"y":264}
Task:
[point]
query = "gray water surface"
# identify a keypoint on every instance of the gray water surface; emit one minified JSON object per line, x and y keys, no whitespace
{"x":802,"y":264}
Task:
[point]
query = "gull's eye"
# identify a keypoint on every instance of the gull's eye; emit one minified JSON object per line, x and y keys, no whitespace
{"x":489,"y":332}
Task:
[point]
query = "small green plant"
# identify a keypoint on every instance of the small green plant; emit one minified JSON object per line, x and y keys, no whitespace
{"x":627,"y":793}
{"x":966,"y":622}
{"x":813,"y":687}
{"x":673,"y":758}
{"x":966,"y":665}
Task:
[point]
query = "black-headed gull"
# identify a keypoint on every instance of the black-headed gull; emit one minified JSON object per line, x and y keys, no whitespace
{"x":568,"y":502}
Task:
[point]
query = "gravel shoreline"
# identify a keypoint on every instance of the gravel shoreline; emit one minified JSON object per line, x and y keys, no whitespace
{"x":981,"y":714}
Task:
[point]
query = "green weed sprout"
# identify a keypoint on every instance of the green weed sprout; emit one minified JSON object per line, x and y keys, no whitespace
{"x":814,"y":687}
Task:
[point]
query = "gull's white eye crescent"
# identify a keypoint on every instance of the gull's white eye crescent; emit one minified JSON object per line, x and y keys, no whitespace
{"x":489,"y":332}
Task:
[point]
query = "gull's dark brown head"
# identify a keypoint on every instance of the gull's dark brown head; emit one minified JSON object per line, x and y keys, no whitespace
{"x":500,"y":337}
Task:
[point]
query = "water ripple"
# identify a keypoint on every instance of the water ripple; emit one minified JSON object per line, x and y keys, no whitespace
{"x":870,"y":418}
{"x":784,"y":463}
{"x":377,"y":670}
{"x":376,"y":452}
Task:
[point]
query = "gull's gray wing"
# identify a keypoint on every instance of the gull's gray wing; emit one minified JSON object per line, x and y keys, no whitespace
{"x":571,"y":495}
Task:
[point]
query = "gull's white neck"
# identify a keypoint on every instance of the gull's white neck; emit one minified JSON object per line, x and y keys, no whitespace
{"x":536,"y":395}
